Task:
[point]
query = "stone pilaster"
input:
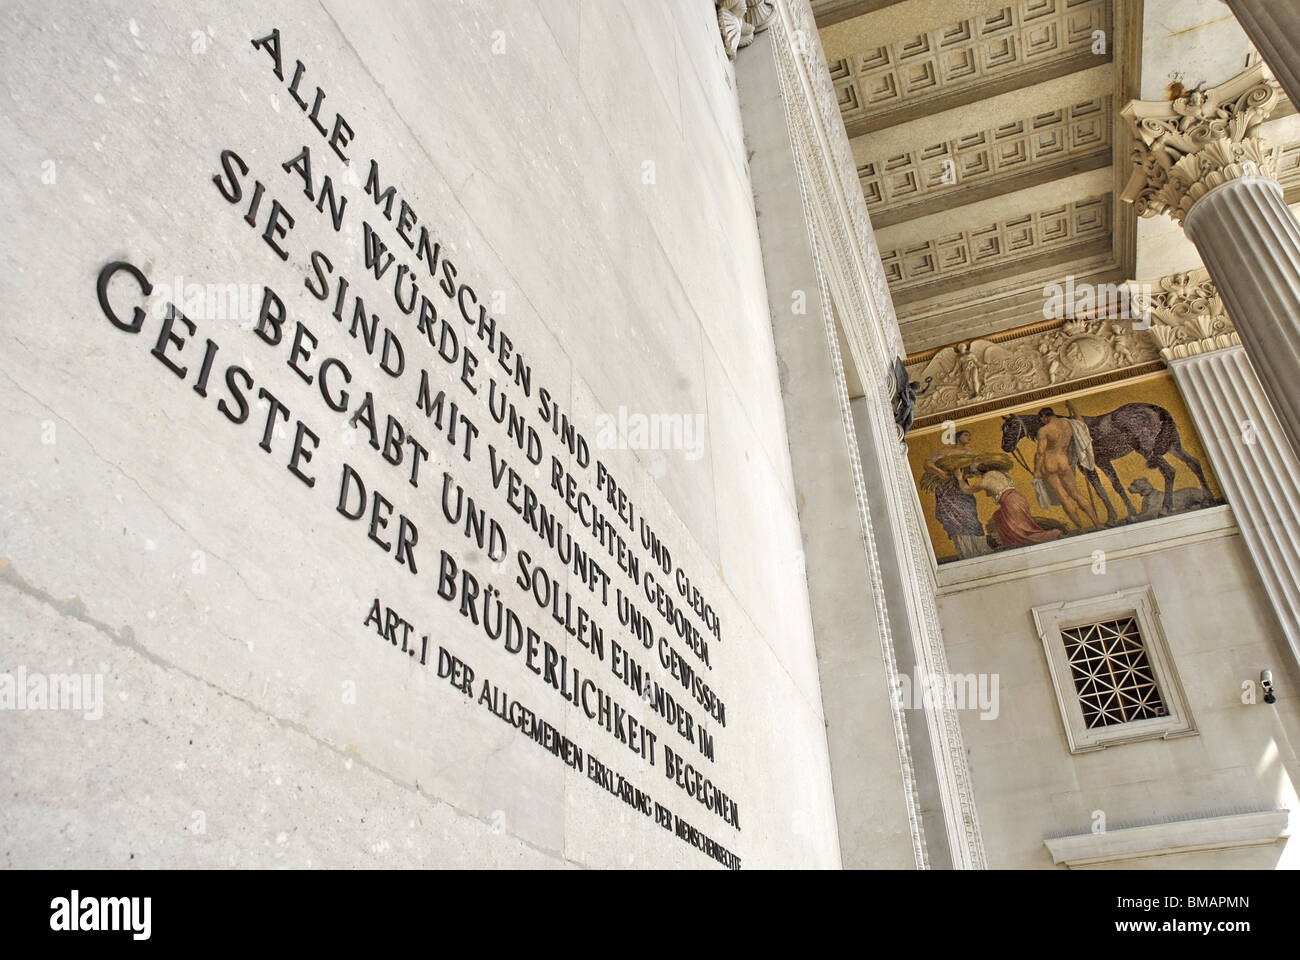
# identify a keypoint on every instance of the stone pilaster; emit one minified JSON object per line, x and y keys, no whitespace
{"x":1198,"y":160}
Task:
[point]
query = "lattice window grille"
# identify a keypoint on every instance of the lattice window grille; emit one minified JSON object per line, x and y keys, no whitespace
{"x":1112,"y":673}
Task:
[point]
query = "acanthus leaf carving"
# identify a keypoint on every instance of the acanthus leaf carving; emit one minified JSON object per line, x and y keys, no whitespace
{"x":1188,"y":316}
{"x":1189,"y":146}
{"x":740,"y":20}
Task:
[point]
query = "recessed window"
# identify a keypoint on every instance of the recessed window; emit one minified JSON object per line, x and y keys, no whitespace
{"x":1112,"y":673}
{"x":1112,"y":670}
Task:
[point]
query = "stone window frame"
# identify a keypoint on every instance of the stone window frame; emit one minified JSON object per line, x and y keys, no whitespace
{"x":1140,"y":604}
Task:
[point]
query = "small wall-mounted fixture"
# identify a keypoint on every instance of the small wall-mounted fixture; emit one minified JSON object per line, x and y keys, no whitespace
{"x":1266,"y":681}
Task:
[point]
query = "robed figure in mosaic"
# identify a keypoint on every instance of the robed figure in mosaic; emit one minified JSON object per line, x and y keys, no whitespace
{"x":1015,"y":525}
{"x":954,"y":508}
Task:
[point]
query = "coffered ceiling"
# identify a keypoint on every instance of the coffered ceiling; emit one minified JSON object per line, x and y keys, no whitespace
{"x":992,"y":155}
{"x":988,"y":149}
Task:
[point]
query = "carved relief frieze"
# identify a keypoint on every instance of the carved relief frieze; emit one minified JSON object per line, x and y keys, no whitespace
{"x":1027,"y":359}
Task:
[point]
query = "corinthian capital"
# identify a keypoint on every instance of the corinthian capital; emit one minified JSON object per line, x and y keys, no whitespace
{"x":1187,"y":315}
{"x":1202,"y":139}
{"x":739,"y":20}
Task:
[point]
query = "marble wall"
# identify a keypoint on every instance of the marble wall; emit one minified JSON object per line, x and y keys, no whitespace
{"x":277,"y":679}
{"x":1220,"y":633}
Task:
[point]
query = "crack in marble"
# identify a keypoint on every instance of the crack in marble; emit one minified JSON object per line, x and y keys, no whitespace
{"x":74,"y":608}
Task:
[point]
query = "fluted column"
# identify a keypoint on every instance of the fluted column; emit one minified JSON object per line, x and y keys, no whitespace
{"x":1256,"y":466}
{"x":1197,"y":161}
{"x":1250,"y":243}
{"x":1274,"y":28}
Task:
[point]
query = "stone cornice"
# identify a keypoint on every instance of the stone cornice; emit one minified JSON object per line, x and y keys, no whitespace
{"x":1188,"y":146}
{"x":739,"y":20}
{"x":1187,"y":316}
{"x":1171,"y":837}
{"x":1119,"y":543}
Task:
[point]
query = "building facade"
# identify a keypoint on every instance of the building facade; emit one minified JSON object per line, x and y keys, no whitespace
{"x":741,"y":433}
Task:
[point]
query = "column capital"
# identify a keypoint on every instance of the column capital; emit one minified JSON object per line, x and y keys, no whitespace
{"x":1190,"y":145}
{"x":1187,"y":315}
{"x":739,"y":20}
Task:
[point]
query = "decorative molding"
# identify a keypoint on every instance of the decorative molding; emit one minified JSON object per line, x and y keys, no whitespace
{"x":1175,"y":532}
{"x":806,"y":112}
{"x":828,"y":12}
{"x":968,"y":60}
{"x":846,"y":254}
{"x":1034,"y":358}
{"x":1007,"y":241}
{"x":1178,"y":836}
{"x":1002,"y":156}
{"x":1188,"y":316}
{"x":1256,"y":467}
{"x":990,"y":308}
{"x":1187,"y":147}
{"x":1159,"y":670}
{"x":1129,"y":29}
{"x":1043,"y":393}
{"x":740,"y":20}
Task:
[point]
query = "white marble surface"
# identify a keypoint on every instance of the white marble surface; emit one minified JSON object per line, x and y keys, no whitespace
{"x":1221,"y":633}
{"x":221,"y":599}
{"x":1187,"y":42}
